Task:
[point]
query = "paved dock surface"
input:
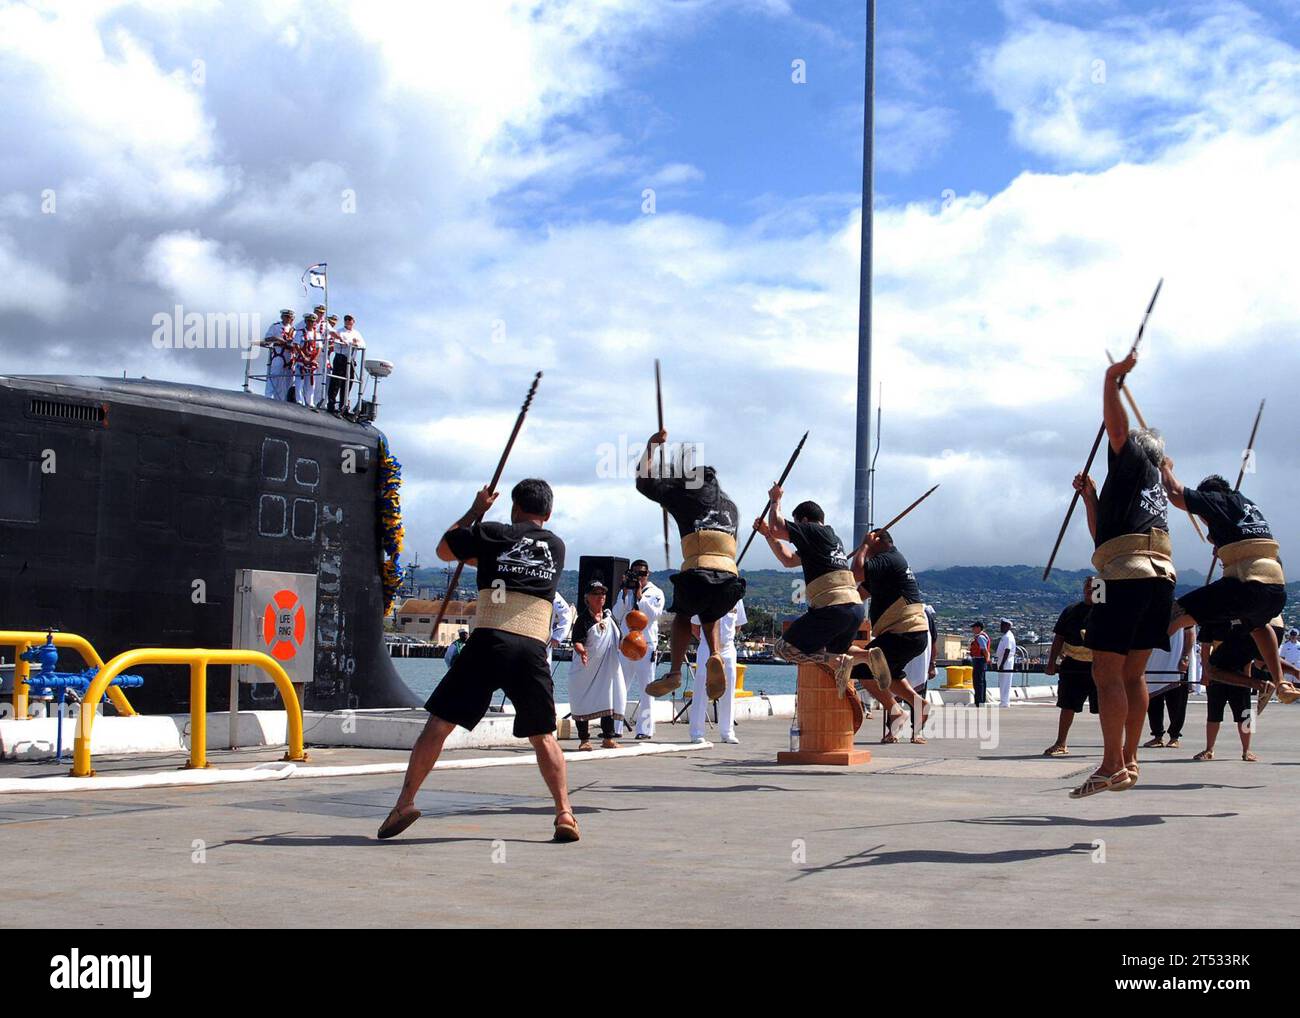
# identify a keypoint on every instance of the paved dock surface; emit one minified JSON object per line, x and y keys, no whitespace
{"x":945,"y":834}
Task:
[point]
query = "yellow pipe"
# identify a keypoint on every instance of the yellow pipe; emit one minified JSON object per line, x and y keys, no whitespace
{"x":23,"y":639}
{"x":197,"y":659}
{"x":198,"y":714}
{"x":22,"y":671}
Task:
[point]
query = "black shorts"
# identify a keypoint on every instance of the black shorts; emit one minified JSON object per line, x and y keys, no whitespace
{"x":900,"y":649}
{"x":1218,"y":694}
{"x":1238,"y":650}
{"x":1134,"y":616}
{"x":492,"y":660}
{"x":1075,"y":686}
{"x":708,"y":593}
{"x":831,"y":629}
{"x":1254,"y":604}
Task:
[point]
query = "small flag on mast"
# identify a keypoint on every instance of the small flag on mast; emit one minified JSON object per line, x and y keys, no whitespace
{"x":315,"y":275}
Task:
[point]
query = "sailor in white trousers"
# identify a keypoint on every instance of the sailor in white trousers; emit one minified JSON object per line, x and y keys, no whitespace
{"x":699,"y":715}
{"x":562,"y":614}
{"x":649,"y":599}
{"x":1005,"y":659}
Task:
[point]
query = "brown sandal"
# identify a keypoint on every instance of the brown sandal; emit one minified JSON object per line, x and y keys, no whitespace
{"x":1249,"y":757}
{"x":584,"y":747}
{"x":1116,"y":782}
{"x":566,"y":831}
{"x":1205,"y":754}
{"x":396,"y":823}
{"x":608,"y":744}
{"x":1056,"y":749}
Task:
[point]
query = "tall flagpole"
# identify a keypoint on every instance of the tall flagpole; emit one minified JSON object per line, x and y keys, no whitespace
{"x":862,"y":447}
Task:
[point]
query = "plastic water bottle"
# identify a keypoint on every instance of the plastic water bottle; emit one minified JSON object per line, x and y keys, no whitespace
{"x":794,"y":733}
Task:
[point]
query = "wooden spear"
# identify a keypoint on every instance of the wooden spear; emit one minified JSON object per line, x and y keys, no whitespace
{"x":1096,"y":444}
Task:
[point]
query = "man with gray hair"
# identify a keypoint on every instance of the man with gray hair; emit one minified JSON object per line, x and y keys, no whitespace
{"x":1133,"y":594}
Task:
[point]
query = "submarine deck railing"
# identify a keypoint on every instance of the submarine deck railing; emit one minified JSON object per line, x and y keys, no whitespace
{"x":22,"y":640}
{"x":198,"y":660}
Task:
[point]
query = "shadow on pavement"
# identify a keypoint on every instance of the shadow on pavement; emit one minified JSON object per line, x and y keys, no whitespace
{"x":875,"y":857}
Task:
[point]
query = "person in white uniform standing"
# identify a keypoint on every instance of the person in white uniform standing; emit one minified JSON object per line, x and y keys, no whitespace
{"x":1005,"y":659}
{"x":1290,"y":649}
{"x":640,"y":593}
{"x":561,"y":620}
{"x":699,"y":715}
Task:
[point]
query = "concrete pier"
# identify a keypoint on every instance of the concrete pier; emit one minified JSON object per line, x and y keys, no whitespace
{"x":974,"y":829}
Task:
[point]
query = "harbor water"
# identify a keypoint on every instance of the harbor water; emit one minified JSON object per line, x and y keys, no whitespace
{"x":422,"y":674}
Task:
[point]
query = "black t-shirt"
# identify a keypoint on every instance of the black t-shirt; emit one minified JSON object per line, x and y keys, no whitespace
{"x":1072,"y":622}
{"x":695,"y":503}
{"x":585,"y":620}
{"x":1231,"y":516}
{"x":889,"y":577}
{"x":524,"y":556}
{"x":820,"y":550}
{"x":1133,"y":500}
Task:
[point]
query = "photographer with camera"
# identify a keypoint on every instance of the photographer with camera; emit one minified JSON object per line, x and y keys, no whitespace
{"x":640,"y":594}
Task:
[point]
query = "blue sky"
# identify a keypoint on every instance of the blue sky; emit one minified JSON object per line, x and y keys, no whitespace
{"x":1040,"y":165}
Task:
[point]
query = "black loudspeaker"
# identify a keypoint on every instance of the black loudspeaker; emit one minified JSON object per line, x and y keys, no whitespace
{"x":607,"y":569}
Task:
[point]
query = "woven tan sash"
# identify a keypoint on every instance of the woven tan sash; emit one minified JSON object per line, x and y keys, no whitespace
{"x":836,"y":587}
{"x":1076,"y":653}
{"x":709,"y":549}
{"x":901,"y":617}
{"x":1253,"y":560}
{"x":1136,"y":557}
{"x":521,"y":614}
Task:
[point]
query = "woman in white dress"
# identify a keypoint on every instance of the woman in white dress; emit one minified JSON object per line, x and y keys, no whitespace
{"x":597,"y":689}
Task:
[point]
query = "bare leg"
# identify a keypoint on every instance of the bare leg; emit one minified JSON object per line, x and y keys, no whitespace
{"x":1112,"y":703}
{"x":1244,"y":729}
{"x":1218,"y":674}
{"x":711,"y":634}
{"x":550,"y":761}
{"x":1211,"y":735}
{"x":423,"y":756}
{"x":1266,"y":640}
{"x":681,"y":639}
{"x":1139,"y":698}
{"x":1063,"y":728}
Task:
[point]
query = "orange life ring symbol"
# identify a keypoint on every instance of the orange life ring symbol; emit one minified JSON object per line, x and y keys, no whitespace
{"x":284,"y":625}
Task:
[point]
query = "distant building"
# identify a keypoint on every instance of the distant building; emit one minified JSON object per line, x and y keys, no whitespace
{"x":415,"y":618}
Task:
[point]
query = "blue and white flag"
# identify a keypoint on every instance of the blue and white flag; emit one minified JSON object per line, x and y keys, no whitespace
{"x":315,"y":275}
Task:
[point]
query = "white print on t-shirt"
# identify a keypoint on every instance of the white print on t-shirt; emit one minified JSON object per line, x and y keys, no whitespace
{"x":1252,"y":520}
{"x":1154,"y":500}
{"x":528,"y":558}
{"x":716,"y":519}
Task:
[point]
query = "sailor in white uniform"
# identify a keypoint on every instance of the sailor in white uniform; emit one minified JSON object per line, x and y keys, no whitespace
{"x":279,"y":360}
{"x":650,"y":599}
{"x":561,"y":620}
{"x":1005,"y":659}
{"x":306,"y":348}
{"x":699,"y":715}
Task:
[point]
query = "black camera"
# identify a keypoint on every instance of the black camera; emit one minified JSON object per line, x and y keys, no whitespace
{"x":630,"y":580}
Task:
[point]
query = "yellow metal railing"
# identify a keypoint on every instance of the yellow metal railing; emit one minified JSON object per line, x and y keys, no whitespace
{"x":21,"y":640}
{"x":198,"y":660}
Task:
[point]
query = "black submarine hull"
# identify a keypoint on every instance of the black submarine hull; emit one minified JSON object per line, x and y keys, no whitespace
{"x":128,"y":507}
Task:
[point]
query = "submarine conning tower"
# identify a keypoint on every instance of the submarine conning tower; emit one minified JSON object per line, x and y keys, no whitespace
{"x":130,"y":509}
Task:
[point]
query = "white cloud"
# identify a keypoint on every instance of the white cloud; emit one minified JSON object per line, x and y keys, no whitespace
{"x":991,"y":314}
{"x":1134,"y":86}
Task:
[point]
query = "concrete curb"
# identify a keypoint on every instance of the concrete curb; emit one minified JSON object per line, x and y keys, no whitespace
{"x":281,"y":770}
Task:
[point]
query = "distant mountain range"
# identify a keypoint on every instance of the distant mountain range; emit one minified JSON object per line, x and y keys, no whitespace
{"x":959,"y":594}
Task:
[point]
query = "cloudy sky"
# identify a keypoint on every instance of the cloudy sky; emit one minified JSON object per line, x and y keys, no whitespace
{"x":476,"y":176}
